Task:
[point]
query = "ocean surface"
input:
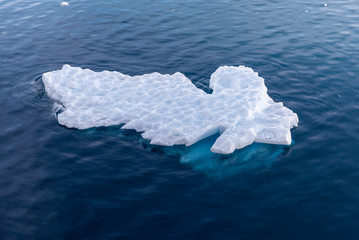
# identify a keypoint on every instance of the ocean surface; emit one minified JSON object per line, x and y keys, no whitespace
{"x":108,"y":183}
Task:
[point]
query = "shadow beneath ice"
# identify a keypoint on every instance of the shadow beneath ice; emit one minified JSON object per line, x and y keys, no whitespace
{"x":200,"y":157}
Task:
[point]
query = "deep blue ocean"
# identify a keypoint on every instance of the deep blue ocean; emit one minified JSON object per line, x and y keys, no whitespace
{"x":108,"y":183}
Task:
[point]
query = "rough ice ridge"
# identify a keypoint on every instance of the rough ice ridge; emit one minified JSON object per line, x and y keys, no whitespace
{"x":170,"y":110}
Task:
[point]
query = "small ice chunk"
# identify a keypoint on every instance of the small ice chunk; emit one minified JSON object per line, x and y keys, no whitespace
{"x":65,"y":4}
{"x":170,"y":109}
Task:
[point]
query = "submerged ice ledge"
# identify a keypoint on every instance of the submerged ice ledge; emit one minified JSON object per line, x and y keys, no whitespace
{"x":170,"y":110}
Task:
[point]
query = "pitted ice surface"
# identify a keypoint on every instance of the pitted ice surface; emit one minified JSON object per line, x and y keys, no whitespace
{"x":170,"y":110}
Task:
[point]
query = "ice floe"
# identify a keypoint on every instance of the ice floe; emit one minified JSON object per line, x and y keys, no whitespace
{"x":170,"y":109}
{"x":65,"y":4}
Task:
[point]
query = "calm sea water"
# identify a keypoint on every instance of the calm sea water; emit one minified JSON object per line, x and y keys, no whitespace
{"x":106,"y":183}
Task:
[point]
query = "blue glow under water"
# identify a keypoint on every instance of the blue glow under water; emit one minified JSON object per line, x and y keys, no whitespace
{"x":106,"y":183}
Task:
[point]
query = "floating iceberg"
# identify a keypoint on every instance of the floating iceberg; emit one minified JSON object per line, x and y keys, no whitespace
{"x":170,"y":110}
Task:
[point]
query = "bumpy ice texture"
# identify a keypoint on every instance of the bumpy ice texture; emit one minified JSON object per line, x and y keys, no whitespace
{"x":170,"y":110}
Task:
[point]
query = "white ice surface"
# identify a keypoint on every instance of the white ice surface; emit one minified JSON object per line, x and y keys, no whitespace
{"x":65,"y":4}
{"x":170,"y":110}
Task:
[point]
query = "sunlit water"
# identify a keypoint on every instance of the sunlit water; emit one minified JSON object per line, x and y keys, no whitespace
{"x":107,"y":183}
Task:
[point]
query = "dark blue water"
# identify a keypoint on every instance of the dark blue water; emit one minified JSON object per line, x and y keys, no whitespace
{"x":106,"y":183}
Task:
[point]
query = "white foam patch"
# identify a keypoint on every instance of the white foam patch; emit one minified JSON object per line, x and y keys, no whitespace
{"x":170,"y":110}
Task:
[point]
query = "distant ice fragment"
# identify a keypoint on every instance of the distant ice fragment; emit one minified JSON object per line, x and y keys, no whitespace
{"x":170,"y":110}
{"x":65,"y":4}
